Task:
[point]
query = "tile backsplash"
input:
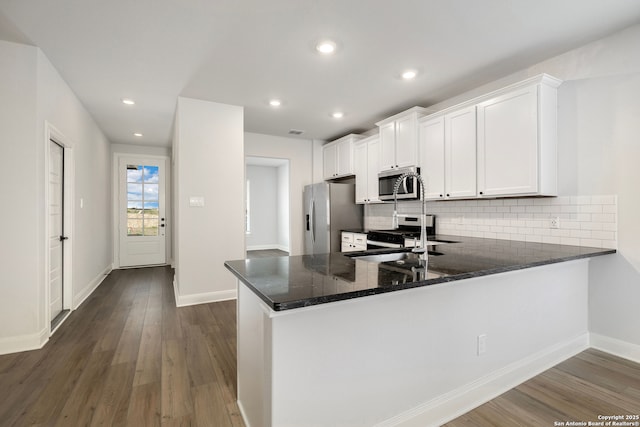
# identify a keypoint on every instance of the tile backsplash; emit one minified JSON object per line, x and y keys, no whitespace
{"x":583,"y":220}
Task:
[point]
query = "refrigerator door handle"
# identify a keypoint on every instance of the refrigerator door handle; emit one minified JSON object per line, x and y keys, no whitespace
{"x":308,"y":228}
{"x":313,"y":220}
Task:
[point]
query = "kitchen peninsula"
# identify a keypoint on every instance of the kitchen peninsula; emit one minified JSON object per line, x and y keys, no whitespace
{"x":336,"y":340}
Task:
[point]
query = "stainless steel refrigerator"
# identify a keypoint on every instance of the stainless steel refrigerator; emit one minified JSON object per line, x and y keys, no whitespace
{"x":329,"y":208}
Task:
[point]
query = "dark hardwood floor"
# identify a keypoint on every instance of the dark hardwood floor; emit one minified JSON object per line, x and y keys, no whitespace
{"x":129,"y":357}
{"x":579,"y":389}
{"x":266,"y":253}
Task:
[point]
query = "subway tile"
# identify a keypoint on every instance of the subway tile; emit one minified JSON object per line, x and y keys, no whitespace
{"x":583,"y":217}
{"x":551,"y":239}
{"x":533,"y":209}
{"x":609,"y":226}
{"x":595,"y":243}
{"x":583,"y":200}
{"x":532,"y":238}
{"x":518,"y":209}
{"x":569,"y":209}
{"x":611,"y":244}
{"x":570,"y":241}
{"x":613,"y":209}
{"x":591,"y":225}
{"x":604,"y":200}
{"x":603,"y":235}
{"x":590,"y":209}
{"x":608,"y":217}
{"x":581,"y":234}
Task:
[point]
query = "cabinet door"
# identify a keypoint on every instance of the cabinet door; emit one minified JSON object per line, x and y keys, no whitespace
{"x":406,"y":141}
{"x":431,"y":137}
{"x":388,"y":146}
{"x":329,"y":158}
{"x":460,"y":153}
{"x":361,"y":169}
{"x":373,"y":161}
{"x":508,"y":144}
{"x":344,"y":158}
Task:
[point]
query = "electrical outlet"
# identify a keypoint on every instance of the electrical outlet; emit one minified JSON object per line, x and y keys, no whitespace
{"x":554,"y":222}
{"x":482,"y":344}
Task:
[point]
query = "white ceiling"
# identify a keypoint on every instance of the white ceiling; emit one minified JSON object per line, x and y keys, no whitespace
{"x":244,"y":52}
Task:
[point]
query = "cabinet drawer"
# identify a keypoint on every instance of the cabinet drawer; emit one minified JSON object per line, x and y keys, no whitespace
{"x":347,"y":237}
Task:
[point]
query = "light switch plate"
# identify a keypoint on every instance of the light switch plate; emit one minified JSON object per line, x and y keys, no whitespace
{"x":196,"y":201}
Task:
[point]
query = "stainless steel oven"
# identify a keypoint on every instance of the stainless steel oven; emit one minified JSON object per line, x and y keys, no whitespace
{"x":409,"y":190}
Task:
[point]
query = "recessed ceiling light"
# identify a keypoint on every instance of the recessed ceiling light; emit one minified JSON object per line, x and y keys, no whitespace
{"x":337,"y":114}
{"x":275,"y":103}
{"x":138,"y":134}
{"x":128,"y":101}
{"x":409,"y":74}
{"x":326,"y":47}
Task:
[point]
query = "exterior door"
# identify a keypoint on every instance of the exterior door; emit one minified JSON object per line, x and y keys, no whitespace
{"x":142,"y":225}
{"x":56,"y":227}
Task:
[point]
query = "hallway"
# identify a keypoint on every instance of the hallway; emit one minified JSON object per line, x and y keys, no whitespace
{"x":128,"y":356}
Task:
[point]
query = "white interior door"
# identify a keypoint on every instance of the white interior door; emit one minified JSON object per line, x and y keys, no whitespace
{"x":142,"y":225}
{"x":56,"y":230}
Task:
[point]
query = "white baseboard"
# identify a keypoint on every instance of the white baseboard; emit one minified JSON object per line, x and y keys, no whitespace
{"x":617,"y":347}
{"x":203,"y":298}
{"x":91,"y":286}
{"x":463,"y":399}
{"x":39,"y":339}
{"x":24,"y":342}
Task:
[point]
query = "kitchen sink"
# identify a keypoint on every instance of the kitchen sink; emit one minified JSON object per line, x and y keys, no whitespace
{"x":397,"y":257}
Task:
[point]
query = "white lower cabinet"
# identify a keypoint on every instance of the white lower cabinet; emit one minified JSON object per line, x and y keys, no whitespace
{"x":366,"y":166}
{"x":353,"y":242}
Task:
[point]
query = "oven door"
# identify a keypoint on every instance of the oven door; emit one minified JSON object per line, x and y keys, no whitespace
{"x":408,"y":190}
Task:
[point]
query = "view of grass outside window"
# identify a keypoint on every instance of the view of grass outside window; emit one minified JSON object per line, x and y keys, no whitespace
{"x":142,"y":200}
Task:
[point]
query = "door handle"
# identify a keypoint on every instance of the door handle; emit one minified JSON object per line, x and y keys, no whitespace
{"x":161,"y":225}
{"x":63,"y":238}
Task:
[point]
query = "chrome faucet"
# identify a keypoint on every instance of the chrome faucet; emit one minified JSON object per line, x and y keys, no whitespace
{"x":423,"y":232}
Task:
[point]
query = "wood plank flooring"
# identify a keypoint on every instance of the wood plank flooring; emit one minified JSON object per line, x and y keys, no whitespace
{"x":579,"y":389}
{"x":266,"y":253}
{"x":129,"y":357}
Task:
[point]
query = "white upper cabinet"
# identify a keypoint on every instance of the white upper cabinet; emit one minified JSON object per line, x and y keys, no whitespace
{"x":517,"y":141}
{"x":399,"y":139}
{"x":367,"y":164}
{"x":431,"y":137}
{"x":448,"y":154}
{"x":337,"y":157}
{"x":460,"y":153}
{"x":501,"y":144}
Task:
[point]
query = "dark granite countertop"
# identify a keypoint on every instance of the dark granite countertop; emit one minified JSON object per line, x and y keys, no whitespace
{"x":285,"y":283}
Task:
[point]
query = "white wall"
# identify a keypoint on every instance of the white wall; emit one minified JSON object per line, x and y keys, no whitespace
{"x":209,"y":163}
{"x":20,"y":243}
{"x":299,"y":152}
{"x":32,"y":92}
{"x":92,"y":237}
{"x":263,"y":207}
{"x":283,"y":207}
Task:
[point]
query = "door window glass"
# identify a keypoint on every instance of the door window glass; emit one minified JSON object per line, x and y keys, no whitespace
{"x":142,"y":200}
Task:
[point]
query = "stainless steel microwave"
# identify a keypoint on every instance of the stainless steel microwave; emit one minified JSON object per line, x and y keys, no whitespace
{"x":409,"y":189}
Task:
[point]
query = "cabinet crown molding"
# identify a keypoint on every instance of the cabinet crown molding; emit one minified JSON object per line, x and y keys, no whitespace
{"x":543,"y":78}
{"x":352,"y":136}
{"x":421,"y":111}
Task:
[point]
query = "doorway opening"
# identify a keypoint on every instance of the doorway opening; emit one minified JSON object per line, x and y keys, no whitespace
{"x":141,"y":238}
{"x":267,"y":225}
